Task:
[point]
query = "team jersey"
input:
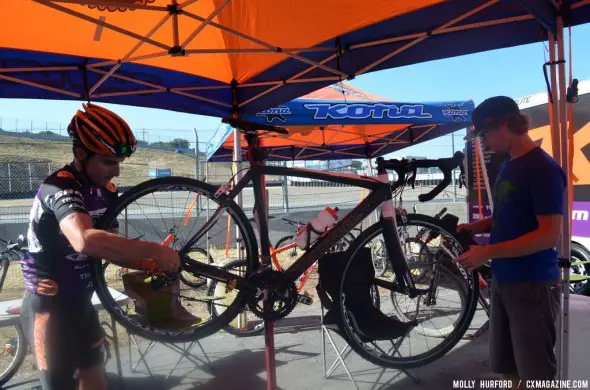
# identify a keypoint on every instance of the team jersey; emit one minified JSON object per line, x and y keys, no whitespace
{"x":52,"y":267}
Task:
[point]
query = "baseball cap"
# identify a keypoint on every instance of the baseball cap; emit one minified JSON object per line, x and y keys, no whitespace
{"x":492,"y":108}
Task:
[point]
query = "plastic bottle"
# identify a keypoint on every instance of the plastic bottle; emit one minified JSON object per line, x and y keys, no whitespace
{"x":318,"y":225}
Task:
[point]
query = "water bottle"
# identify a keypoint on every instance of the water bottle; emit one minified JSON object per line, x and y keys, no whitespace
{"x":316,"y":227}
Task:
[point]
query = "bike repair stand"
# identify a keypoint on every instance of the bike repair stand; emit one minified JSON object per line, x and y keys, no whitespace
{"x":269,"y":355}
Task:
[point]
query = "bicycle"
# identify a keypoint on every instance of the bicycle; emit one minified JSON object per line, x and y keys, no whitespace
{"x":285,"y":244}
{"x":15,"y":348}
{"x":270,"y":294}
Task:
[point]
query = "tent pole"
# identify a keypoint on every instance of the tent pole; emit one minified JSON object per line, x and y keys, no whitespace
{"x":454,"y":179}
{"x":555,"y":147}
{"x":553,"y":106}
{"x":207,"y":200}
{"x":566,"y":234}
{"x":238,"y":164}
{"x":484,"y":170}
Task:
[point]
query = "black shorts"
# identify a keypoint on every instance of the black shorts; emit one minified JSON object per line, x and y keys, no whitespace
{"x":522,"y":329}
{"x":64,"y":337}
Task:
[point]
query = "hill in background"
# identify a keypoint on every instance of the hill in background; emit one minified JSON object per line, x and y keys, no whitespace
{"x":46,"y":155}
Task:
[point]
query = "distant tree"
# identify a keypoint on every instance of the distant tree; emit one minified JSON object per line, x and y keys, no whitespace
{"x":355,"y":164}
{"x":180,"y":143}
{"x":176,"y":143}
{"x":48,"y":132}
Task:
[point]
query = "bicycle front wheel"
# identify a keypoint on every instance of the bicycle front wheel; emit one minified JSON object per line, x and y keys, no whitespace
{"x":171,"y":211}
{"x":443,"y":311}
{"x":12,"y":353}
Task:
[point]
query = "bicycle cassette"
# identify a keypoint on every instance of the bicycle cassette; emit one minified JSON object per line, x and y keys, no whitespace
{"x":275,"y":291}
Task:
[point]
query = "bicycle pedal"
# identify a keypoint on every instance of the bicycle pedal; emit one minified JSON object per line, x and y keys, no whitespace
{"x":305,"y":299}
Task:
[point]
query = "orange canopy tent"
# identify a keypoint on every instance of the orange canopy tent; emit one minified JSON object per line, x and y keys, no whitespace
{"x":343,"y":122}
{"x":234,"y":57}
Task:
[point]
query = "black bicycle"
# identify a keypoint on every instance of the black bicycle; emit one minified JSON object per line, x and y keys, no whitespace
{"x":14,"y":347}
{"x":269,"y":294}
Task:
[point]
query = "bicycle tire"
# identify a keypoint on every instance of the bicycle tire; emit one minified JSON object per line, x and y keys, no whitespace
{"x":199,"y":331}
{"x":285,"y":239}
{"x":4,"y":265}
{"x":449,"y":342}
{"x":213,"y":309}
{"x":19,"y":357}
{"x":202,"y":281}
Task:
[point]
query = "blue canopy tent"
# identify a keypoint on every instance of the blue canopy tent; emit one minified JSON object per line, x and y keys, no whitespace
{"x":342,"y":122}
{"x":161,"y":54}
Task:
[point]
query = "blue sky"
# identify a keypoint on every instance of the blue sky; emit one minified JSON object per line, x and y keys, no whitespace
{"x":514,"y":72}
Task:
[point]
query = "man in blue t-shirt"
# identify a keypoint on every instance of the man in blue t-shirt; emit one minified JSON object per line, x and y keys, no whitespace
{"x":528,"y":197}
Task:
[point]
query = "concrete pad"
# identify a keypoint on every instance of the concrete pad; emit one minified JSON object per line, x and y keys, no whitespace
{"x":238,"y":363}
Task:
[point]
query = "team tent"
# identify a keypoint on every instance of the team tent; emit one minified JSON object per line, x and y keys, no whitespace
{"x":343,"y":122}
{"x":238,"y":57}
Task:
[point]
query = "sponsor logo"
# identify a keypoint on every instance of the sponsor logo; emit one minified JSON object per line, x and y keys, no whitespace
{"x":68,"y":191}
{"x":279,"y":113}
{"x":325,"y":111}
{"x":579,"y":215}
{"x":455,"y":112}
{"x":97,"y":213}
{"x":77,"y":257}
{"x":65,"y":174}
{"x":47,"y":287}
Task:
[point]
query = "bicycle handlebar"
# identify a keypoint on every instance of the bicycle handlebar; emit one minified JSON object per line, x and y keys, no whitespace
{"x":291,"y":222}
{"x":446,"y":165}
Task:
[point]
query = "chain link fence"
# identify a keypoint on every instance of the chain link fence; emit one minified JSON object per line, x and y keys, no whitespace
{"x":28,"y":155}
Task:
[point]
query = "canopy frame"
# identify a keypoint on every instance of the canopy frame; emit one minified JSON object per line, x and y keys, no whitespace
{"x":174,"y":11}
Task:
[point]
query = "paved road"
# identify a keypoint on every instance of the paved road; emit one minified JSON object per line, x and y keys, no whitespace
{"x":238,"y":363}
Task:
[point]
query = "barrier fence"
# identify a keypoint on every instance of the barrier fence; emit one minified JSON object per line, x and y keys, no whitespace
{"x":27,"y":156}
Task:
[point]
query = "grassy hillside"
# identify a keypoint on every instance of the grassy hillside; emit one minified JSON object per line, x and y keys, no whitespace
{"x":58,"y":153}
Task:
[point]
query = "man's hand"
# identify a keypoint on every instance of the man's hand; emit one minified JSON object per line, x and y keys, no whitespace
{"x":474,"y":257}
{"x":167,"y":258}
{"x":477,"y":227}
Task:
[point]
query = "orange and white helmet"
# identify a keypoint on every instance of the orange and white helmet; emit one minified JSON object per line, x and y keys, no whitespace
{"x":102,"y":131}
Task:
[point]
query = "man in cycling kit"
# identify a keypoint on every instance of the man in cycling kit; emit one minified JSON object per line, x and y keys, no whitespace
{"x":525,"y":226}
{"x":57,"y":314}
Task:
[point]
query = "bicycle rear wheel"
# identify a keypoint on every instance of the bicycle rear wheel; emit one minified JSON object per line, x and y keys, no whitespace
{"x":440,"y":326}
{"x":152,"y":211}
{"x":200,"y":255}
{"x":245,"y":323}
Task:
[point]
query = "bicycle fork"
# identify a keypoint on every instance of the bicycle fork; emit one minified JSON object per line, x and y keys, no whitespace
{"x":393,"y":245}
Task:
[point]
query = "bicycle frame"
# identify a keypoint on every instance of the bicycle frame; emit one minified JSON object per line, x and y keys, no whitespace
{"x":380,"y":194}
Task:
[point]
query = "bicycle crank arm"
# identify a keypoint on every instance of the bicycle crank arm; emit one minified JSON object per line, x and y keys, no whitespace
{"x":213,"y":272}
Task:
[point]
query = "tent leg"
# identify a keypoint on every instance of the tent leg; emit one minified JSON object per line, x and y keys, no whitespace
{"x":484,"y":170}
{"x":566,"y":234}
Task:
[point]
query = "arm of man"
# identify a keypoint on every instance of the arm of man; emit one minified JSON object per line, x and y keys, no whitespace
{"x":477,"y":227}
{"x":65,"y":198}
{"x":84,"y":238}
{"x":544,"y":237}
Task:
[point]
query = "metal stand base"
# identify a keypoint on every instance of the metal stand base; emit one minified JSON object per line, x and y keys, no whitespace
{"x":183,"y":349}
{"x":342,"y":354}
